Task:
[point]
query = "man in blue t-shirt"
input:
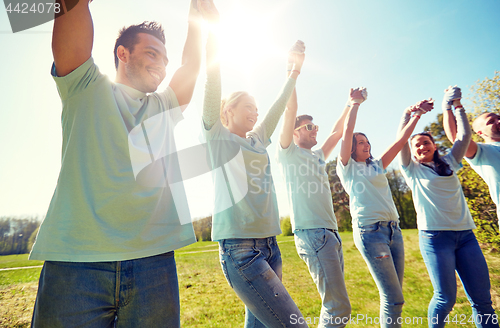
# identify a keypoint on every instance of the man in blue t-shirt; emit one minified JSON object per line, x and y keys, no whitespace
{"x":484,"y":158}
{"x":313,"y":220}
{"x":115,"y":219}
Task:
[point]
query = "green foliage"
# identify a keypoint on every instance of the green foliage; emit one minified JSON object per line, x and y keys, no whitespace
{"x":486,"y":95}
{"x":203,"y":229}
{"x":339,"y":197}
{"x":286,"y":226}
{"x":401,"y":194}
{"x":15,"y":234}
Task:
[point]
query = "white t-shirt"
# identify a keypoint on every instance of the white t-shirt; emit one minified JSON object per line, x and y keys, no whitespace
{"x":370,"y":198}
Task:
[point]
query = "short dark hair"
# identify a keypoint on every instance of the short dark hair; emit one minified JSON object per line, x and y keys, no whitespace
{"x":301,"y":118}
{"x":127,"y":36}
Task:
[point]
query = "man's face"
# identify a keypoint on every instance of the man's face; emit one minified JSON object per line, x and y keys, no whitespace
{"x":145,"y":68}
{"x":305,"y":138}
{"x":488,"y":126}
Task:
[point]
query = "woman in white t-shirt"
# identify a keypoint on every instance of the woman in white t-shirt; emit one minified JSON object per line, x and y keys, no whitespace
{"x":375,"y":220}
{"x":245,"y":217}
{"x":445,"y":224}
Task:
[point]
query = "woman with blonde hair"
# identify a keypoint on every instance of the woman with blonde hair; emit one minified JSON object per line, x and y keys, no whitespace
{"x":246,"y":229}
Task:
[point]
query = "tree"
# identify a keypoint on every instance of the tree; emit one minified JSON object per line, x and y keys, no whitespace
{"x":286,"y":226}
{"x":339,"y":197}
{"x":486,"y":95}
{"x":401,"y":194}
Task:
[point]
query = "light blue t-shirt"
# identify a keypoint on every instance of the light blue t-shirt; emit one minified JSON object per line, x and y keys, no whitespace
{"x":370,"y":198}
{"x":439,"y":200}
{"x":308,"y":187}
{"x":112,"y":201}
{"x":245,"y":199}
{"x":486,"y":163}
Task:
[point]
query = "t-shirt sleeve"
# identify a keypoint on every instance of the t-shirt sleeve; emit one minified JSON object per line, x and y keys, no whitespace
{"x":476,"y":160}
{"x":343,"y":173}
{"x":169,"y":100}
{"x":77,"y":81}
{"x":450,"y":159}
{"x":321,"y":154}
{"x":284,"y":152}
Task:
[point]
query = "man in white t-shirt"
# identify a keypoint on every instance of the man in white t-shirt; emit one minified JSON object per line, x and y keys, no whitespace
{"x":112,"y":226}
{"x":484,"y":158}
{"x":313,"y":220}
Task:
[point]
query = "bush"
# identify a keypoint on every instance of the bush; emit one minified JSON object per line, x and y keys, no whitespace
{"x":286,"y":226}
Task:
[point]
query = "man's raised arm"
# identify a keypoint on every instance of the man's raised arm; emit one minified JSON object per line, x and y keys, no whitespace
{"x":72,"y":38}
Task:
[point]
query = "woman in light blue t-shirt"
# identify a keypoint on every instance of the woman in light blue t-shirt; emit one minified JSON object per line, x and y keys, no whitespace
{"x":375,"y":219}
{"x":445,"y":224}
{"x":245,"y":216}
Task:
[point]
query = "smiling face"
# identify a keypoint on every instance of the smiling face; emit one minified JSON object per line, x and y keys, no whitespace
{"x":143,"y":68}
{"x":362,"y":149}
{"x":423,"y":148}
{"x":242,"y":116}
{"x":304,"y":138}
{"x":487,"y":126}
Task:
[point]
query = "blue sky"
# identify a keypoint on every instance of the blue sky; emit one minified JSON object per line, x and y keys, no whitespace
{"x":401,"y":51}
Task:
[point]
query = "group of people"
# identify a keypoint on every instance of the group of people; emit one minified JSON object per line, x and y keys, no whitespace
{"x":108,"y":241}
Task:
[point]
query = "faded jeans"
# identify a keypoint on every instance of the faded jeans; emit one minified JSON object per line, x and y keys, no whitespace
{"x":135,"y":293}
{"x":321,"y":249}
{"x":253,"y":268}
{"x":445,"y":252}
{"x":381,"y":245}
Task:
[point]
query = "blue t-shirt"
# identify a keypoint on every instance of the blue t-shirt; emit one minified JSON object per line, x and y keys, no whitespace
{"x":486,"y":163}
{"x":439,"y":200}
{"x":113,"y":201}
{"x":370,"y":198}
{"x":307,"y":187}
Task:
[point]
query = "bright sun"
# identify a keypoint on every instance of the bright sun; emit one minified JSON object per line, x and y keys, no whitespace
{"x":246,"y":39}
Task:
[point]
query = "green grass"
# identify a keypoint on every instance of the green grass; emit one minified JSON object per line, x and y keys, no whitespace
{"x":208,"y":301}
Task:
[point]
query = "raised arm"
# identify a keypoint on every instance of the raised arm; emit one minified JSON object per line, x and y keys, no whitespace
{"x":406,"y":128}
{"x":273,"y":115}
{"x":336,"y":132}
{"x":212,"y":101}
{"x":452,"y":96}
{"x":464,"y":134}
{"x":349,"y":123}
{"x":184,"y":79}
{"x":72,"y":38}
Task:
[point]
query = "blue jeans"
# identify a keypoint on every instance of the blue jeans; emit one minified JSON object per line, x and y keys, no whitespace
{"x":136,"y":293}
{"x":321,"y":249}
{"x":381,"y":245}
{"x":253,"y":269}
{"x":445,"y":252}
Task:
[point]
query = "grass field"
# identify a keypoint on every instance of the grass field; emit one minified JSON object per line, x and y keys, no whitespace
{"x":208,"y":301}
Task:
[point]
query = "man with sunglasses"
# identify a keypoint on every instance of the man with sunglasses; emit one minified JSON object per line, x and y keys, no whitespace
{"x":313,"y":221}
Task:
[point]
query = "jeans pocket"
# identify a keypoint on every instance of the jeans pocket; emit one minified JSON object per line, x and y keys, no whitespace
{"x":429,"y":234}
{"x":369,"y":228}
{"x":318,"y":239}
{"x":243,"y":257}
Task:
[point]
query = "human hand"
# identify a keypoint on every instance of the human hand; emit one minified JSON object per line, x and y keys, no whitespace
{"x":358,"y":95}
{"x":208,"y":10}
{"x":296,"y":56}
{"x":425,"y":105}
{"x":451,"y":94}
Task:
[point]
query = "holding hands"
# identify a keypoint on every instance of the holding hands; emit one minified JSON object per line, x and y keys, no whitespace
{"x":296,"y":56}
{"x":451,"y":94}
{"x":206,"y":9}
{"x":421,"y":107}
{"x":357,"y":96}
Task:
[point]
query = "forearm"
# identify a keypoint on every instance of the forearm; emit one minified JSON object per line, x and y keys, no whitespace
{"x":286,"y":135}
{"x":449,"y":125}
{"x":212,"y":100}
{"x":405,"y":153}
{"x":350,"y":121}
{"x":273,"y":115}
{"x":463,"y":135}
{"x":335,"y":134}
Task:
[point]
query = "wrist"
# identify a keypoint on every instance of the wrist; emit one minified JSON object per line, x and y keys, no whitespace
{"x":416,"y":115}
{"x":459,"y":106}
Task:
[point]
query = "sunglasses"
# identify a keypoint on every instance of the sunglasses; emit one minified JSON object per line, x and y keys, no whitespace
{"x":309,"y":127}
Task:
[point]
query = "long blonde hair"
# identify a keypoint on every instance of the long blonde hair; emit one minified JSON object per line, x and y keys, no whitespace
{"x":230,"y":102}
